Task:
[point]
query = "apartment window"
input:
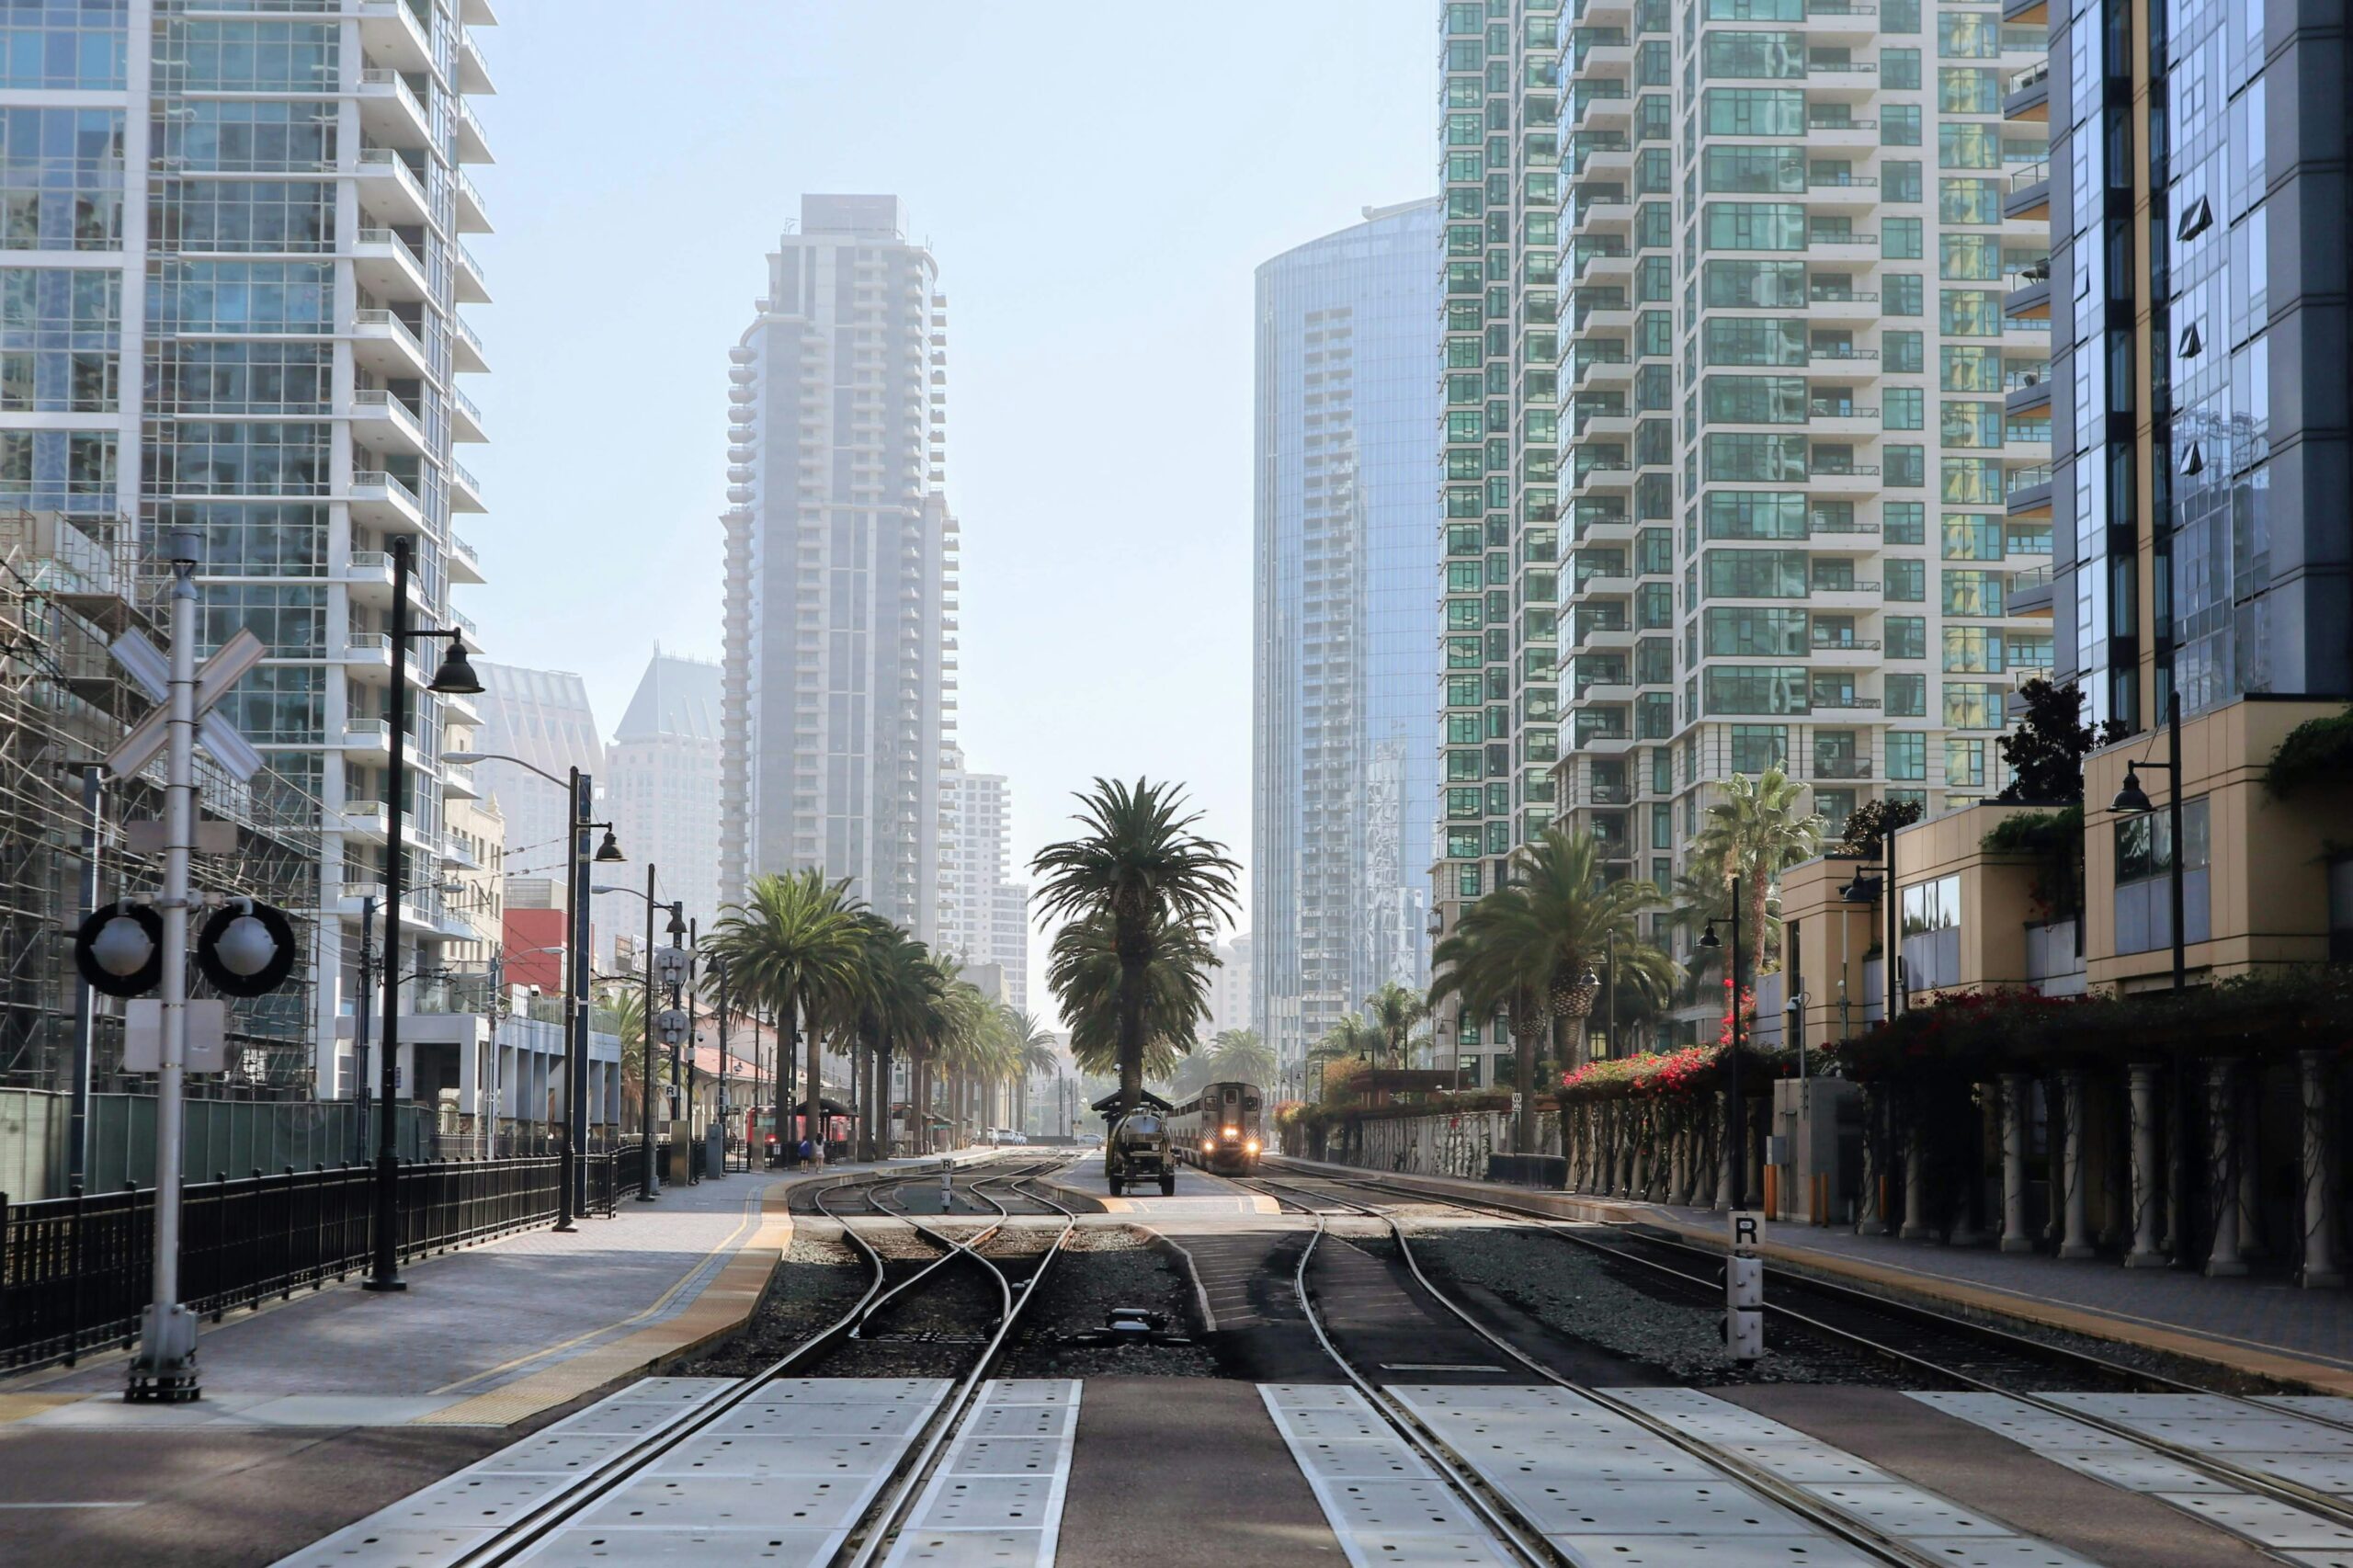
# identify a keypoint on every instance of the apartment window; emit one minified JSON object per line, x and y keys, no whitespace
{"x":1907,"y":581}
{"x":1757,"y":747}
{"x":1899,"y":68}
{"x":1740,"y":458}
{"x":1753,"y":340}
{"x":1900,"y":239}
{"x":1748,"y":632}
{"x":1969,"y":144}
{"x":1968,"y":89}
{"x":1899,"y":16}
{"x":1972,"y":650}
{"x":1969,"y":35}
{"x":1907,"y":754}
{"x":1899,"y":179}
{"x":1931,"y":927}
{"x":1899,"y":125}
{"x":1904,"y":522}
{"x":1736,"y":689}
{"x":1758,"y":574}
{"x":1752,"y":54}
{"x":1972,"y":592}
{"x":1902,"y":408}
{"x":1907,"y":636}
{"x":1754,"y":225}
{"x":1973,"y":536}
{"x":1907,"y":467}
{"x":2143,"y":843}
{"x":1973,"y":705}
{"x":1755,"y":111}
{"x":1963,"y":200}
{"x":1754,"y":514}
{"x":1907,"y":696}
{"x":1969,"y":424}
{"x":1904,"y":293}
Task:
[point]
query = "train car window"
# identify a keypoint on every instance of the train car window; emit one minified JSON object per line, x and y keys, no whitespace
{"x":1251,"y":1103}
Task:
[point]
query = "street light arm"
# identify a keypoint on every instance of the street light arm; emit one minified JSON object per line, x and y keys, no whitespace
{"x":470,"y":756}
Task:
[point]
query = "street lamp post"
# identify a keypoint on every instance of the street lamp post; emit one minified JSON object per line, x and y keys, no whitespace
{"x":454,"y":676}
{"x":694,"y":1151}
{"x":2134,"y":799}
{"x":649,"y":1183}
{"x":580,"y":794}
{"x":1735,"y":1117}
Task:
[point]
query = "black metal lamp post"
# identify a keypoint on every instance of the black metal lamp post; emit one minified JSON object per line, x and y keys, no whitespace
{"x":1735,"y":1113}
{"x":2135,"y":800}
{"x":455,"y":676}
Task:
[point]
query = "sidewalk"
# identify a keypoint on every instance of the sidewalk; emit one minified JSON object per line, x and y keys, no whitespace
{"x":489,"y":1337}
{"x":2266,"y":1327}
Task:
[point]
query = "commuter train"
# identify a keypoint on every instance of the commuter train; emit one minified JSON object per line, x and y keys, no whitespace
{"x":1221,"y":1129}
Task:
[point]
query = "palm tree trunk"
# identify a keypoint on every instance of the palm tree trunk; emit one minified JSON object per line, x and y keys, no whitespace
{"x":1523,"y":1052}
{"x":815,"y":1100}
{"x":785,"y":1045}
{"x":1131,"y":987}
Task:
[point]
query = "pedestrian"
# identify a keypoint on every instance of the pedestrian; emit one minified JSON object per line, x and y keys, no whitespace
{"x":808,"y":1152}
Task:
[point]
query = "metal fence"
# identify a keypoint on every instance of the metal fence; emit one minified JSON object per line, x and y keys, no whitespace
{"x":74,"y":1272}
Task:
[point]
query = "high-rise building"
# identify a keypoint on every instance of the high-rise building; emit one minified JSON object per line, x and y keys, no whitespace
{"x":542,"y":717}
{"x":841,"y":561}
{"x":1233,"y":989}
{"x":2196,"y":490}
{"x":233,"y":308}
{"x":1345,"y":749}
{"x":661,"y":786}
{"x":1500,"y":126}
{"x":984,"y":914}
{"x":1846,"y":554}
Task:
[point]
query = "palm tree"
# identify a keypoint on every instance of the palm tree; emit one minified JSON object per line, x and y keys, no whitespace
{"x":1034,"y":1051}
{"x":1350,"y":1040}
{"x":626,"y":1000}
{"x":1394,"y":1009}
{"x":1091,"y":980}
{"x":795,"y":942}
{"x":1154,"y":882}
{"x":1529,"y":949}
{"x":1755,"y":832}
{"x":1240,"y":1056}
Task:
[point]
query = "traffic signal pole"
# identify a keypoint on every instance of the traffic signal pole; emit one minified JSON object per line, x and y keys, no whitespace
{"x":165,"y":1367}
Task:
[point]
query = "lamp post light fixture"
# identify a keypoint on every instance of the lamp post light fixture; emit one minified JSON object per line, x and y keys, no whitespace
{"x":649,"y":1183}
{"x":1861,"y":889}
{"x":580,"y":794}
{"x":454,"y":676}
{"x":2133,"y":800}
{"x":1735,"y":1117}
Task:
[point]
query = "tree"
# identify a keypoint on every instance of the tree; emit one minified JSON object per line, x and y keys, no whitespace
{"x":1527,"y":949}
{"x":1154,"y":885}
{"x":1394,"y":1009}
{"x":1869,"y":824}
{"x":1034,"y":1049}
{"x":1240,"y":1056}
{"x":795,"y":943}
{"x":1350,"y":1041}
{"x":1090,"y":979}
{"x":2046,"y":751}
{"x":1755,"y":832}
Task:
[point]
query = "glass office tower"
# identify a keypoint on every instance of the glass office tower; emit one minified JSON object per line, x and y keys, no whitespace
{"x":232,"y":272}
{"x":1344,"y":745}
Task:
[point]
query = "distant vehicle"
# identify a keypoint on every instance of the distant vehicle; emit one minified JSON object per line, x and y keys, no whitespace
{"x":1220,"y":1128}
{"x":1137,"y":1149}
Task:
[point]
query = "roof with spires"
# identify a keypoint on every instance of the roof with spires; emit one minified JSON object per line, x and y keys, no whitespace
{"x":676,"y":697}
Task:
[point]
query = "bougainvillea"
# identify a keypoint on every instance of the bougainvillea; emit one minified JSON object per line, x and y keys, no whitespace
{"x":1673,"y":1074}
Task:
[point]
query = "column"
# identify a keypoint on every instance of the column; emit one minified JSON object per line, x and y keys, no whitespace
{"x":2015,"y":1236}
{"x":2221,"y":1123}
{"x":2148,"y":1177}
{"x":1965,"y":1230}
{"x":1915,"y":1183}
{"x":2077,"y":1240}
{"x":1639,"y":1188}
{"x":1678,"y":1180}
{"x":2321,"y":1266}
{"x":1869,"y":1220}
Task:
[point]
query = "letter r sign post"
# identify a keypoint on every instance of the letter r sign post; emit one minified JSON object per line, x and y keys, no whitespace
{"x":1744,"y":1287}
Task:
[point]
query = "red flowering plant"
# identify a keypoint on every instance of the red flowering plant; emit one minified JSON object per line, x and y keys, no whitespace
{"x":1670,"y":1074}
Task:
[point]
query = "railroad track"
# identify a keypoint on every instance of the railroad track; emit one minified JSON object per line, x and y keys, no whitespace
{"x":1855,"y":1318}
{"x":1001,"y":1286}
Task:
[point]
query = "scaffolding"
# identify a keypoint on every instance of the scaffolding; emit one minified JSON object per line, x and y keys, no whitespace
{"x":69,"y":586}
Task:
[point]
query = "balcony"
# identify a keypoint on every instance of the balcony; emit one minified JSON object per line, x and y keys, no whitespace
{"x":369,"y":741}
{"x":2029,"y":295}
{"x":1851,"y":594}
{"x":465,"y":490}
{"x":1843,"y":249}
{"x":368,"y":578}
{"x":384,"y":501}
{"x":367,"y":656}
{"x":458,"y":782}
{"x":473,"y":147}
{"x":471,"y":289}
{"x":2026,"y":13}
{"x":2027,"y":388}
{"x":2029,"y":97}
{"x":1847,"y":193}
{"x":390,"y":36}
{"x":387,"y":267}
{"x":1828,"y":416}
{"x":2028,"y":200}
{"x":390,"y":114}
{"x":1853,"y":653}
{"x":1841,"y":701}
{"x":473,"y":214}
{"x":2029,"y":491}
{"x":1861,"y":308}
{"x":384,"y":423}
{"x":1843,"y":135}
{"x":473,"y":76}
{"x":1853,"y":19}
{"x":2030,"y":593}
{"x":465,"y":565}
{"x":465,"y":418}
{"x":383,"y":343}
{"x":389,"y":190}
{"x":465,"y":349}
{"x":1861,"y":479}
{"x":1842,"y":768}
{"x":365,"y":819}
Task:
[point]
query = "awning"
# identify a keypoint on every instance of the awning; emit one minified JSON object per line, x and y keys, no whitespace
{"x":1110,"y":1102}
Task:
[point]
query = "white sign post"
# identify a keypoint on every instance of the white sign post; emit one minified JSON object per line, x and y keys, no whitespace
{"x":165,"y":1369}
{"x":1745,"y":1285}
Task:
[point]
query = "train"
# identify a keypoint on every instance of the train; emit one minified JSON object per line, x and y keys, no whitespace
{"x":1221,"y":1129}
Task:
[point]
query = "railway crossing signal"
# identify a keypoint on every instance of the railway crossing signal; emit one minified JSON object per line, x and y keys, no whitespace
{"x":120,"y":949}
{"x":248,"y":949}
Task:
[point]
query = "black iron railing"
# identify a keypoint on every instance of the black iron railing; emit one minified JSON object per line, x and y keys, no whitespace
{"x":75,"y":1271}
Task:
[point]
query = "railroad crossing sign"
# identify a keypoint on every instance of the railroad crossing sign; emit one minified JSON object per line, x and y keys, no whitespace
{"x":152,"y":671}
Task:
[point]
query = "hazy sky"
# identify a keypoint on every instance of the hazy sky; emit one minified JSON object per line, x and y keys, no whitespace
{"x":1097,"y":178}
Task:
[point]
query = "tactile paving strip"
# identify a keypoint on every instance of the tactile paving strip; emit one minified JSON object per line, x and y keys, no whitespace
{"x":778,"y":1481}
{"x":1382,"y":1500}
{"x":995,"y":1500}
{"x":2287,"y":1445}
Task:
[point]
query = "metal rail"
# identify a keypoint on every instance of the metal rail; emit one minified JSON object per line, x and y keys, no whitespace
{"x":2294,"y":1495}
{"x":1863,"y":1538}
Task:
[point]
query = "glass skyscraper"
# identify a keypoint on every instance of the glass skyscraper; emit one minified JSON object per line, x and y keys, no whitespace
{"x":1347,"y":637}
{"x":229,"y":302}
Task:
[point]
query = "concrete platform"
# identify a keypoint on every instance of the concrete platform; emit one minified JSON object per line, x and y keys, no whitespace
{"x":489,"y":1337}
{"x":2262,"y":1327}
{"x":1082,"y":1185}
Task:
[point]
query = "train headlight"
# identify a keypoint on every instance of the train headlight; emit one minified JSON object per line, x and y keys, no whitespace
{"x":1251,"y":1147}
{"x":1234,"y":1132}
{"x":1207,"y":1146}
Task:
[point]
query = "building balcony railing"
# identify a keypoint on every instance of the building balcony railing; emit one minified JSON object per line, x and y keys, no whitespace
{"x":1842,"y":768}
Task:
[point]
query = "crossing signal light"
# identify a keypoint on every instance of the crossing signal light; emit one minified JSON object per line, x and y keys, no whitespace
{"x":248,"y":949}
{"x":120,"y":949}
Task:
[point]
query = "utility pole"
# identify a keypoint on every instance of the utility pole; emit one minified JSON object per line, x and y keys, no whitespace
{"x":694,"y":1148}
{"x":366,"y":999}
{"x":77,"y":1150}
